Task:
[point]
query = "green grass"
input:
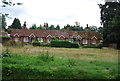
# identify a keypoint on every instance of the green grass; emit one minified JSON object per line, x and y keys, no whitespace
{"x":60,"y":63}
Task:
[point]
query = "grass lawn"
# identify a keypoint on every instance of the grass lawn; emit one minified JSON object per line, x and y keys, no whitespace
{"x":31,"y":62}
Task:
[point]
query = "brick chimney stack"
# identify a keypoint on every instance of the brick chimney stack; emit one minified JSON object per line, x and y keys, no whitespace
{"x":44,"y":26}
{"x":87,"y":28}
{"x":24,"y":25}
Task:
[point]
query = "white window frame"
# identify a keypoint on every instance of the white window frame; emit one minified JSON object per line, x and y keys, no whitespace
{"x":85,"y":41}
{"x":40,"y":39}
{"x":25,"y":39}
{"x":16,"y":39}
{"x":94,"y":42}
{"x":71,"y":40}
{"x":49,"y":40}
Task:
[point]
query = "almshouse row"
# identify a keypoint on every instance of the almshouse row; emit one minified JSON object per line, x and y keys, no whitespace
{"x":45,"y":36}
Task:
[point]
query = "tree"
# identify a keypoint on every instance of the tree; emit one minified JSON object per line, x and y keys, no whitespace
{"x":51,"y":27}
{"x":33,"y":26}
{"x":57,"y":27}
{"x":9,"y":3}
{"x":93,"y":28}
{"x":3,"y":16}
{"x":77,"y":24}
{"x":16,"y":24}
{"x":110,"y":15}
{"x":40,"y":27}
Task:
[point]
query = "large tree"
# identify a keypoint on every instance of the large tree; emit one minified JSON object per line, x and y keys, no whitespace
{"x":16,"y":24}
{"x":110,"y":17}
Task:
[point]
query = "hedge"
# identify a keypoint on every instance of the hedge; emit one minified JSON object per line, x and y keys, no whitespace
{"x":99,"y":45}
{"x":36,"y":43}
{"x":4,"y":36}
{"x":63,"y":43}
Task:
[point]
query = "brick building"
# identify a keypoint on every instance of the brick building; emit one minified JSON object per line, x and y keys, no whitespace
{"x":45,"y":36}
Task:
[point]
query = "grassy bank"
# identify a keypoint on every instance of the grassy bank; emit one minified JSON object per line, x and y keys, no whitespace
{"x":66,"y":63}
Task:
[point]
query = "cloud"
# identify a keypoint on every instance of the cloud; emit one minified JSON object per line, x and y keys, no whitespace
{"x":60,"y":12}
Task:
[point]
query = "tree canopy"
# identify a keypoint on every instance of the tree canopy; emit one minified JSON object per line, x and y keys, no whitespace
{"x":110,"y":19}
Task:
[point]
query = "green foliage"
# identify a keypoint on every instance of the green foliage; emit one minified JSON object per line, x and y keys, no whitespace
{"x":86,"y":46}
{"x":45,"y":57}
{"x":43,"y":67}
{"x":36,"y":43}
{"x":110,"y":15}
{"x":4,"y":36}
{"x":99,"y":45}
{"x":63,"y":43}
{"x":6,"y":53}
{"x":16,"y":24}
{"x":25,"y":43}
{"x":13,"y":44}
{"x":45,"y":44}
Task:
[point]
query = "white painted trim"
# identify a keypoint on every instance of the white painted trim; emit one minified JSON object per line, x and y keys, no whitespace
{"x":31,"y":35}
{"x":25,"y":39}
{"x":85,"y":41}
{"x":94,"y":37}
{"x":79,"y":36}
{"x":49,"y":35}
{"x":62,"y":36}
{"x":16,"y":34}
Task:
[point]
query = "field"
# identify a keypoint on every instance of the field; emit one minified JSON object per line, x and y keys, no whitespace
{"x":30,"y":62}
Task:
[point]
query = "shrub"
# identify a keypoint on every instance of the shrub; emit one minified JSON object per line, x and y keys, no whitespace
{"x":6,"y":53}
{"x":36,"y":43}
{"x":25,"y":43}
{"x":74,"y":45}
{"x":99,"y":45}
{"x":63,"y":43}
{"x":45,"y":44}
{"x":87,"y":46}
{"x":4,"y":36}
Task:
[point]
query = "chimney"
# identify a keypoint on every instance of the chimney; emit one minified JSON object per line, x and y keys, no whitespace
{"x":67,"y":27}
{"x":87,"y":28}
{"x":24,"y":25}
{"x":44,"y":26}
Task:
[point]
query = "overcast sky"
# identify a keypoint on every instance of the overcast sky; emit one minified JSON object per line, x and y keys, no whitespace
{"x":55,"y":12}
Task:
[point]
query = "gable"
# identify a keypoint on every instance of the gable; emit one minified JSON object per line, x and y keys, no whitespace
{"x":32,"y":35}
{"x":49,"y":36}
{"x":16,"y":35}
{"x":61,"y":36}
{"x":94,"y":37}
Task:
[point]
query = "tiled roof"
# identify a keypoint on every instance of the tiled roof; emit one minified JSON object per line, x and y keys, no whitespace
{"x":55,"y":33}
{"x":3,"y":33}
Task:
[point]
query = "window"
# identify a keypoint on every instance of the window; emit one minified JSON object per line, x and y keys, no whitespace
{"x":25,"y":39}
{"x":40,"y":39}
{"x":71,"y":40}
{"x":49,"y":40}
{"x":94,"y":42}
{"x":16,"y":39}
{"x":85,"y":41}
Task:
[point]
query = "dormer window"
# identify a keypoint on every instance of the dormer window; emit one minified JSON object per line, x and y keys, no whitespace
{"x":25,"y":39}
{"x":85,"y":41}
{"x":16,"y":39}
{"x":94,"y":42}
{"x":40,"y":39}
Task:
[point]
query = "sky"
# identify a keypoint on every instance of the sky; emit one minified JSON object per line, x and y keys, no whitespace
{"x":55,"y":12}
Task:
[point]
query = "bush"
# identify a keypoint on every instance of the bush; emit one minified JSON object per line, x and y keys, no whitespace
{"x":63,"y":43}
{"x":36,"y":43}
{"x":99,"y":45}
{"x":45,"y":44}
{"x":25,"y":43}
{"x":4,"y":36}
{"x":87,"y":46}
{"x":74,"y":45}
